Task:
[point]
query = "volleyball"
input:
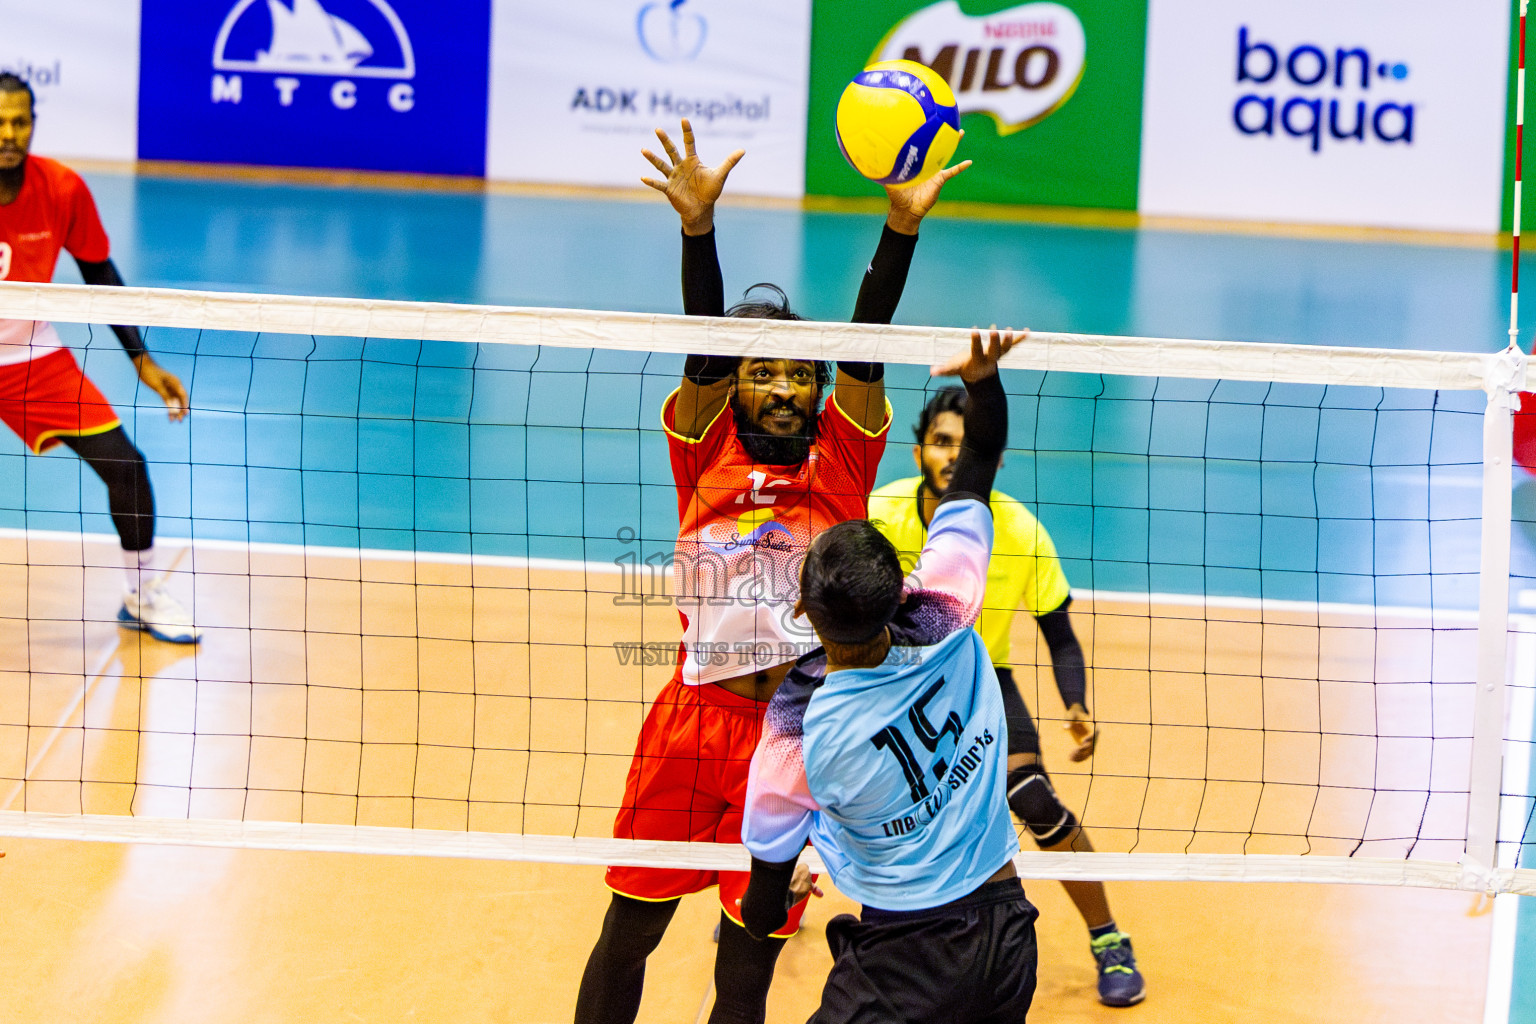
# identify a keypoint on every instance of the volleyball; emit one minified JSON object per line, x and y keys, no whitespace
{"x":897,"y":122}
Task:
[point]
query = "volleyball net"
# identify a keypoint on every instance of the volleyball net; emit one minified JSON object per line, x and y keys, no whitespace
{"x":430,"y":549}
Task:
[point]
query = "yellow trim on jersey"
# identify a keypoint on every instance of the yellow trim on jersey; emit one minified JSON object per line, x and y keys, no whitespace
{"x":53,"y":435}
{"x":781,"y":934}
{"x":1024,"y":572}
{"x":886,"y":425}
{"x":672,"y":400}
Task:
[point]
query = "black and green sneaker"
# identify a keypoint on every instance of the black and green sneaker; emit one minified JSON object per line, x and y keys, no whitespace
{"x":1120,"y":983}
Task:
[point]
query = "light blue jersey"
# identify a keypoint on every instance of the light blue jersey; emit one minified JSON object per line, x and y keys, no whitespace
{"x":896,"y":774}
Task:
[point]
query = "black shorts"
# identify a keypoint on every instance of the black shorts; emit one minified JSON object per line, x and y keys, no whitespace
{"x":1023,"y":737}
{"x":972,"y":960}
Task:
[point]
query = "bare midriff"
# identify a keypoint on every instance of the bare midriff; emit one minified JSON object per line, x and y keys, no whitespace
{"x":758,"y":685}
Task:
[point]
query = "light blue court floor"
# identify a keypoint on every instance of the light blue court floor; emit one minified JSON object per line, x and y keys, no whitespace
{"x":1295,"y":493}
{"x":1231,"y":490}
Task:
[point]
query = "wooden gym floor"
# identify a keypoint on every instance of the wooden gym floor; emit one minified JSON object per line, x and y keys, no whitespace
{"x":391,"y":691}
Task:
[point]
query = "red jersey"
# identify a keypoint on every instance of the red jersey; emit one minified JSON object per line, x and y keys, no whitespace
{"x":53,"y":211}
{"x":744,"y":530}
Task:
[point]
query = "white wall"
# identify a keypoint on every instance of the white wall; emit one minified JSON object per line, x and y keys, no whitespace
{"x":82,"y":58}
{"x":578,"y":87}
{"x":1447,"y":63}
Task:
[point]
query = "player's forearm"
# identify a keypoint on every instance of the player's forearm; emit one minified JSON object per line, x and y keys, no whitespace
{"x":703,"y":286}
{"x":106,"y":273}
{"x":1067,"y":662}
{"x":765,"y":907}
{"x":885,"y":279}
{"x":986,"y":434}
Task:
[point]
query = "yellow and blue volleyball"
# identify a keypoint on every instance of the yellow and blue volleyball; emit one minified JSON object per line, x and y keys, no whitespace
{"x":897,"y":122}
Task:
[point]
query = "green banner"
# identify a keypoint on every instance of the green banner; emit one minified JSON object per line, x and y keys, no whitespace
{"x":1049,"y":93}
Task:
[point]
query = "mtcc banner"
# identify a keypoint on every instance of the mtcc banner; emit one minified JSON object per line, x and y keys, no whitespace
{"x":394,"y":85}
{"x":1049,"y":93}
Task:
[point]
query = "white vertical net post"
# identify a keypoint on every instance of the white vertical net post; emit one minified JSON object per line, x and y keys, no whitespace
{"x":1505,"y":377}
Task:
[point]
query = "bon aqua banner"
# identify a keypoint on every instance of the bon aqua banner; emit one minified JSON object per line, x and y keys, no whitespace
{"x":1049,"y":93}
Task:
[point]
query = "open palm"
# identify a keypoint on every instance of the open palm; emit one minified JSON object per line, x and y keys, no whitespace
{"x":690,"y":186}
{"x":916,"y":200}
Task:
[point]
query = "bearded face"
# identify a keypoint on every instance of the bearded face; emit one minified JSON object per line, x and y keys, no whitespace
{"x":775,"y":405}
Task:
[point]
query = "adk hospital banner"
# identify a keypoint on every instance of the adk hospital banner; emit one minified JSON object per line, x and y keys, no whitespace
{"x":1355,"y":112}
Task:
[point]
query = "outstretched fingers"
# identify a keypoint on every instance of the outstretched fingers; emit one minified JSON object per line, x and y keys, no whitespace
{"x":688,"y":138}
{"x":657,"y":162}
{"x":666,"y":144}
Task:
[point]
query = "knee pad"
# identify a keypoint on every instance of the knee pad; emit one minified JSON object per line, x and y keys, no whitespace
{"x":1035,"y":803}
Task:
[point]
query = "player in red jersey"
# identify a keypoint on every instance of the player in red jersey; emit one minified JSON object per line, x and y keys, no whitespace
{"x":44,"y":397}
{"x":761,"y":467}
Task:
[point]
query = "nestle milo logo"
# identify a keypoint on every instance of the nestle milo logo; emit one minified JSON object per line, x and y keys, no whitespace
{"x":1017,"y":65}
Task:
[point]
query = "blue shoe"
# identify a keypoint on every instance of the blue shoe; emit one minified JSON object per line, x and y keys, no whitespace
{"x":1120,"y":983}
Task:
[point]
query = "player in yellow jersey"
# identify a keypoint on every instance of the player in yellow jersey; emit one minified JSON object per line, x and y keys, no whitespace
{"x":1024,"y":572}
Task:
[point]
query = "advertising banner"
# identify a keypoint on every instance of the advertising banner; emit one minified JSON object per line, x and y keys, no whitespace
{"x":388,"y":85}
{"x":82,"y":60}
{"x":578,"y":88}
{"x":1368,"y":112}
{"x":1049,"y":93}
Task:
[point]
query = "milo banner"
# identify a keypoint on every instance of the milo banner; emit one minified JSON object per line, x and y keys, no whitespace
{"x":1049,"y":93}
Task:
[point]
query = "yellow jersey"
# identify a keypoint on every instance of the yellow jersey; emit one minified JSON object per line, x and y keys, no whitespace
{"x":1024,"y":572}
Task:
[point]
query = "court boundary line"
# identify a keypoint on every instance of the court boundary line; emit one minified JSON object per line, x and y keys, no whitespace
{"x":1521,"y":719}
{"x":1518,"y":623}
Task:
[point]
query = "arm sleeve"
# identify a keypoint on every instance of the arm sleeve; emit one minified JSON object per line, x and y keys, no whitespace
{"x":765,"y":907}
{"x":703,"y":287}
{"x":885,"y":279}
{"x":951,"y":573}
{"x":1066,"y":655}
{"x":986,"y":433}
{"x":105,"y":272}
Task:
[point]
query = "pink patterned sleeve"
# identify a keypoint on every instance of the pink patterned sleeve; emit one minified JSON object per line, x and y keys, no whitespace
{"x":950,"y":577}
{"x":777,"y":821}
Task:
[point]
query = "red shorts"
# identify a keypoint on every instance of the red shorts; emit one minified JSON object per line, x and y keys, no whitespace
{"x":688,"y":783}
{"x":47,"y":398}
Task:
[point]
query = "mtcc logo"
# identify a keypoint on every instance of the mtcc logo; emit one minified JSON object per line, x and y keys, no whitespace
{"x":1017,"y":65}
{"x":294,"y":40}
{"x":668,"y":33}
{"x":1329,"y":91}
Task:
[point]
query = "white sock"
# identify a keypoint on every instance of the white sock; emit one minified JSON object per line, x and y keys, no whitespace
{"x":138,"y":568}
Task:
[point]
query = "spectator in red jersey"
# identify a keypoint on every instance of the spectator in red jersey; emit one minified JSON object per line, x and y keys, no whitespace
{"x":761,"y":467}
{"x":44,"y":397}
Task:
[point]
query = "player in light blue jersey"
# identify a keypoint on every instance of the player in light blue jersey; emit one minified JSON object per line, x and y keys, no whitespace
{"x":887,"y":749}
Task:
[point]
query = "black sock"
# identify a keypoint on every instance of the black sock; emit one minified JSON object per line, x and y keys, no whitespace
{"x":615,"y":974}
{"x":743,"y":971}
{"x":1102,"y":930}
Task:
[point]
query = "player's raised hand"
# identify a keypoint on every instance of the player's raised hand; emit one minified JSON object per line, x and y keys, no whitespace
{"x":911,"y":204}
{"x":1083,"y":730}
{"x":691,"y":187}
{"x":981,"y":361}
{"x":165,"y":384}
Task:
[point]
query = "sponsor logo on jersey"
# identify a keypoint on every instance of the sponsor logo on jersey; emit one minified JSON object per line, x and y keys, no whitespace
{"x":1323,"y":96}
{"x":1018,"y":65}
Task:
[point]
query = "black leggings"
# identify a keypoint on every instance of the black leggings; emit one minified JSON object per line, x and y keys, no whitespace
{"x":121,"y":467}
{"x":1023,"y":736}
{"x":615,"y":974}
